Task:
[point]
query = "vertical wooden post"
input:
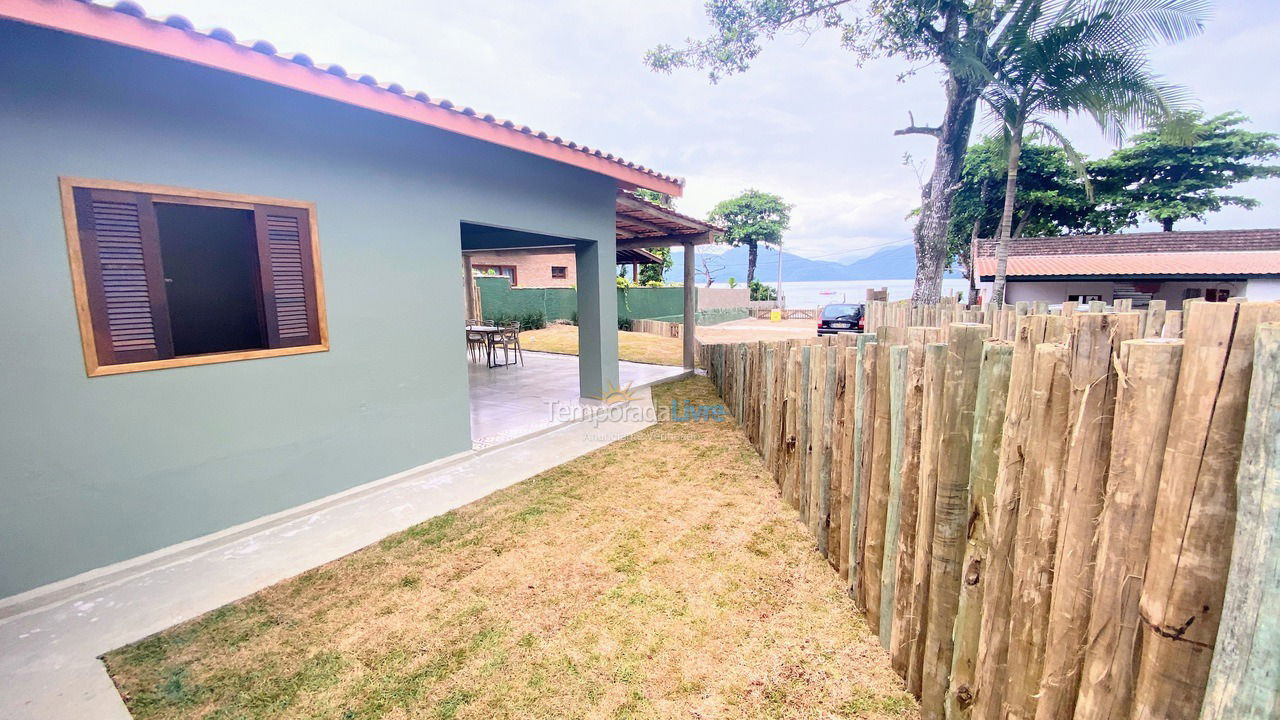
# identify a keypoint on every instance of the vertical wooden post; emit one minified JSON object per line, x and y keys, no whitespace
{"x":897,"y":443}
{"x":951,"y":511}
{"x":877,"y":484}
{"x":848,"y":440}
{"x":1036,"y":537}
{"x":905,"y":545}
{"x":870,"y":368}
{"x":1195,"y":508}
{"x":984,"y":462}
{"x":1154,"y":326}
{"x":857,"y":470}
{"x":1246,"y":664}
{"x":935,"y":367}
{"x":1093,"y":380}
{"x":993,"y":643}
{"x":1172,"y":324}
{"x":834,"y":429}
{"x":804,"y":425}
{"x":791,"y":449}
{"x":688,"y":330}
{"x":822,"y":491}
{"x":1144,"y":405}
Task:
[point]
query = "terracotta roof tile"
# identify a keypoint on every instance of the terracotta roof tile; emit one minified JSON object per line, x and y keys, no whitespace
{"x":133,"y":9}
{"x":1156,"y":242}
{"x":1237,"y":264}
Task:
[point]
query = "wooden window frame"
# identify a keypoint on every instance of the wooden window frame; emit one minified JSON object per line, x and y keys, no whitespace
{"x":564,"y":272}
{"x":180,"y":196}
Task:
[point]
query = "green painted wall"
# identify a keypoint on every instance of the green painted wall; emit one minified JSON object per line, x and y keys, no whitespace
{"x":498,"y":297}
{"x":97,"y":470}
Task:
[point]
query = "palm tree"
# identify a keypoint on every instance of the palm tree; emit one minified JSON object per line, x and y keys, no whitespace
{"x":1080,"y":57}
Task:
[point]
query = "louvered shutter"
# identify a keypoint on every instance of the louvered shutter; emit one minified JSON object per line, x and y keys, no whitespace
{"x":124,"y":277}
{"x":288,"y":276}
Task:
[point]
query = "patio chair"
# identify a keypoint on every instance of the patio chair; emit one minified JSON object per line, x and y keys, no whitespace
{"x":477,"y":346}
{"x":508,"y":337}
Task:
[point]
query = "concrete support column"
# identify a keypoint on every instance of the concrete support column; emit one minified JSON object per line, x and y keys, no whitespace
{"x":597,"y":318}
{"x":690,"y":307}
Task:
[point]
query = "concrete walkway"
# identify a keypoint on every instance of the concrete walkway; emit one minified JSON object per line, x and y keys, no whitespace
{"x":50,"y":638}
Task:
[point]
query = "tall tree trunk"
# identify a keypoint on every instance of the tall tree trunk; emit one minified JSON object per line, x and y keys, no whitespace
{"x":753,"y":250}
{"x":970,"y":266}
{"x":1167,"y":223}
{"x":935,"y":201}
{"x":1006,"y":216}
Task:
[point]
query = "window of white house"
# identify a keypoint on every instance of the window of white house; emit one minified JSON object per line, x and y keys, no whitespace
{"x":166,"y":277}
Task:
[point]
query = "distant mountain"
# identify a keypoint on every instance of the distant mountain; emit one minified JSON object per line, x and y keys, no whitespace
{"x":892,"y":263}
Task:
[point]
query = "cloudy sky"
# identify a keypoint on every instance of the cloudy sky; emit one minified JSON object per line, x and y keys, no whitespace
{"x":805,"y":122}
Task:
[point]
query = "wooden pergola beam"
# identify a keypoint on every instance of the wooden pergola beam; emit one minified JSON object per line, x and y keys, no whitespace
{"x":702,"y":238}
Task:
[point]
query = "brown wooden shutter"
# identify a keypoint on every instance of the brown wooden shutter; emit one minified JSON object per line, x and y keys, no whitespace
{"x":289,"y":302}
{"x":124,"y":276}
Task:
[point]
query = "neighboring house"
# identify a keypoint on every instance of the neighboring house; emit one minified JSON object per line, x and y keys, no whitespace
{"x":231,"y":277}
{"x":546,"y":268}
{"x":1170,"y":266}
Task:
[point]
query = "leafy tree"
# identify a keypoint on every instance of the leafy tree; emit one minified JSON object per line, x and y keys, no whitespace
{"x":968,"y":39}
{"x":752,"y":219}
{"x":1051,"y":198}
{"x":1176,"y":172}
{"x":965,"y":37}
{"x":1082,"y":58}
{"x":655,"y":273}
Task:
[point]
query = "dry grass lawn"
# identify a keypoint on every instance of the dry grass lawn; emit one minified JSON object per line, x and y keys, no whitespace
{"x":632,"y":346}
{"x":659,"y":577}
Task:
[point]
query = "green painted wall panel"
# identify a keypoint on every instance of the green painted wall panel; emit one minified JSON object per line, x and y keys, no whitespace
{"x":97,"y":470}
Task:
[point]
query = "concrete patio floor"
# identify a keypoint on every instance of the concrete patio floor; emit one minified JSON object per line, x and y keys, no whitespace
{"x":51,"y":637}
{"x":516,"y":400}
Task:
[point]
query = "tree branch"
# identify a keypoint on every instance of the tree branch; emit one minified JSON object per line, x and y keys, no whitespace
{"x":914,"y":129}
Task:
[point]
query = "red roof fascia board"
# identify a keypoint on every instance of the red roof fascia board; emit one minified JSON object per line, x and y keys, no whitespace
{"x":1185,"y":263}
{"x":120,"y":28}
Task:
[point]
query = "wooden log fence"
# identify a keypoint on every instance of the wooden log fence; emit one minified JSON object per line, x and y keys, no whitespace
{"x":1036,"y":510}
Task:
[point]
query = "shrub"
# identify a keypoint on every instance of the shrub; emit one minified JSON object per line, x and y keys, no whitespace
{"x":760,"y":291}
{"x":528,"y":321}
{"x":624,"y":323}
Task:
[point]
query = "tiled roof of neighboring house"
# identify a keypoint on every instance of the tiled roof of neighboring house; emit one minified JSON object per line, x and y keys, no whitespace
{"x":126,"y":23}
{"x":1154,"y":242}
{"x":1238,"y":253}
{"x":1234,"y":264}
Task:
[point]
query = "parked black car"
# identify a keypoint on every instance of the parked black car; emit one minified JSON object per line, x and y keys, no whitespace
{"x":838,"y":318}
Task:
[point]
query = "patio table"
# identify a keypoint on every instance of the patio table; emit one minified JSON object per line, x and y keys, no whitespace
{"x":490,"y":332}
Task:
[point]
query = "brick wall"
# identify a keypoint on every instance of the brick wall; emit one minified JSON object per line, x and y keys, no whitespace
{"x":533,"y":267}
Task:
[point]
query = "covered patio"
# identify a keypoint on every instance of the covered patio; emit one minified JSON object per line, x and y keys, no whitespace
{"x":512,"y":402}
{"x":515,"y":400}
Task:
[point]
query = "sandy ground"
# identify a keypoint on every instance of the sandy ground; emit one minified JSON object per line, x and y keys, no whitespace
{"x":753,"y":329}
{"x":658,"y":577}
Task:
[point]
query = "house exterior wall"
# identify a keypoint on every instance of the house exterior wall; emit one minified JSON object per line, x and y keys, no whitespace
{"x":97,"y":470}
{"x":1173,"y":291}
{"x":1054,"y":291}
{"x":1263,"y":289}
{"x":533,"y":269}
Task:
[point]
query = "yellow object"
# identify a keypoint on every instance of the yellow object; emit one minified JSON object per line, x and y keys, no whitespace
{"x":775,"y":316}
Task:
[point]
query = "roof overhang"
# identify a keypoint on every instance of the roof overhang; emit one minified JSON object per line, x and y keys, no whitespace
{"x":128,"y":27}
{"x":642,"y":224}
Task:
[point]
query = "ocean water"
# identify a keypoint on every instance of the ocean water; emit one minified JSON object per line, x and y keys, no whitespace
{"x":815,"y":293}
